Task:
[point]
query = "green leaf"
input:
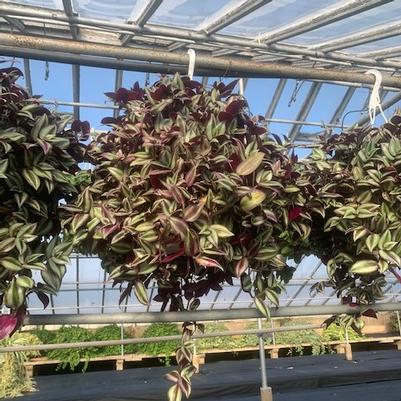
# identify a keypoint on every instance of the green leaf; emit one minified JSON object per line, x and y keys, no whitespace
{"x":144,"y":227}
{"x":116,"y":173}
{"x":372,"y":241}
{"x":254,"y":199}
{"x":14,"y":296}
{"x":250,"y":164}
{"x":7,"y":244}
{"x":78,"y":221}
{"x":32,"y":179}
{"x":272,"y":296}
{"x":25,"y":282}
{"x":10,"y":264}
{"x":262,"y":307}
{"x":147,"y":269}
{"x":174,"y":393}
{"x":3,"y":168}
{"x":141,"y":293}
{"x":367,"y":266}
{"x":222,"y":231}
{"x":192,"y":213}
{"x":11,"y":136}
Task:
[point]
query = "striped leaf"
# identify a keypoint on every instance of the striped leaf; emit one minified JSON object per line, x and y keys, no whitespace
{"x":141,"y":293}
{"x":250,"y":164}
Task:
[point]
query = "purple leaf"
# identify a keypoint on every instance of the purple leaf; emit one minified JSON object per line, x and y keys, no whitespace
{"x":7,"y":325}
{"x":43,"y":298}
{"x":224,"y":116}
{"x":235,"y":106}
{"x":370,"y":313}
{"x":108,"y":120}
{"x":294,"y":213}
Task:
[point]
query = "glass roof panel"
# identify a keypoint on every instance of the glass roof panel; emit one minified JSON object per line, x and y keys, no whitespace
{"x":189,"y":13}
{"x":274,"y":15}
{"x":106,"y":9}
{"x":57,"y":4}
{"x":386,"y":13}
{"x":377,"y":45}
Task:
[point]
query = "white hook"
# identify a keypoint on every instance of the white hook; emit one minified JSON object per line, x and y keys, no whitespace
{"x":374,"y":101}
{"x":241,"y":86}
{"x":191,"y":66}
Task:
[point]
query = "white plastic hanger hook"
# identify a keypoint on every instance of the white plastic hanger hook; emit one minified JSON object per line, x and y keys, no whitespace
{"x":191,"y":66}
{"x":241,"y":86}
{"x":374,"y":101}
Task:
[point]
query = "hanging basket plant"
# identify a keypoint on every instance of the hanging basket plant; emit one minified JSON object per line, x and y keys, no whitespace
{"x":358,"y":174}
{"x":189,"y":192}
{"x":38,"y":162}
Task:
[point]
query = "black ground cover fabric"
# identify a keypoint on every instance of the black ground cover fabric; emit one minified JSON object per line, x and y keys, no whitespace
{"x":235,"y":380}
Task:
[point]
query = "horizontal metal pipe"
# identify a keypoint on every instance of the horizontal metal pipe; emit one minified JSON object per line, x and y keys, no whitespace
{"x":201,"y":315}
{"x":104,"y":343}
{"x":112,"y":107}
{"x":222,"y":64}
{"x":103,"y":62}
{"x":79,"y":104}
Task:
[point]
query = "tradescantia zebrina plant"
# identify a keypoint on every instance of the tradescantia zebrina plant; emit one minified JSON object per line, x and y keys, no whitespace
{"x":188,"y":192}
{"x":38,"y":162}
{"x":358,"y":176}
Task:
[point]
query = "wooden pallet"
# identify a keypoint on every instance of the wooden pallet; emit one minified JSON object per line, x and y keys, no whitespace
{"x":199,"y":359}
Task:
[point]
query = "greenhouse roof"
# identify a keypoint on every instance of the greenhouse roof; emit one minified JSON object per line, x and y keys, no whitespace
{"x":103,"y":44}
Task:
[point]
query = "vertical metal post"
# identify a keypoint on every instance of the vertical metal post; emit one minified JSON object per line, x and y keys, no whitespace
{"x":265,"y":391}
{"x":122,"y":338}
{"x":77,"y":283}
{"x":399,"y":321}
{"x":52,"y":304}
{"x":273,"y":333}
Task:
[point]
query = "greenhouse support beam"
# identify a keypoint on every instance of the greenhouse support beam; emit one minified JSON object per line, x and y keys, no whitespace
{"x":27,"y":76}
{"x":142,"y":18}
{"x":325,"y":17}
{"x":202,"y":315}
{"x":217,"y":21}
{"x":103,"y":62}
{"x":305,"y":109}
{"x":335,"y":119}
{"x":387,"y":52}
{"x":69,"y":11}
{"x":15,"y":23}
{"x":118,"y":83}
{"x":191,"y":36}
{"x":374,"y":34}
{"x":146,"y":13}
{"x":276,"y":98}
{"x":76,"y":88}
{"x":223,"y":65}
{"x":147,"y":340}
